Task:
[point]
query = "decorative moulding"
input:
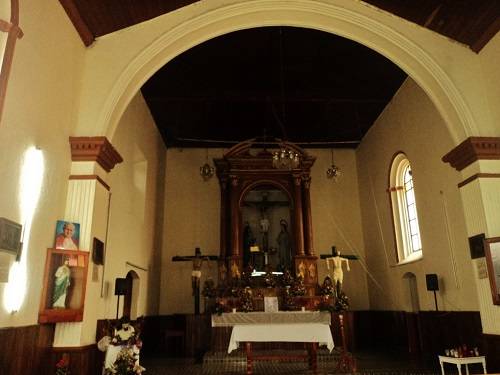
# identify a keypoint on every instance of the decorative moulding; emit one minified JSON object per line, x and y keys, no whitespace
{"x":97,"y":149}
{"x":473,"y":149}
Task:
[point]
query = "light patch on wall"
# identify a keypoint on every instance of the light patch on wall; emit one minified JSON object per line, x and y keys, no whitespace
{"x":30,"y":184}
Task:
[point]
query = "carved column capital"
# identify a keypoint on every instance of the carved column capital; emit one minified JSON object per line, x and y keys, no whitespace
{"x":97,"y":149}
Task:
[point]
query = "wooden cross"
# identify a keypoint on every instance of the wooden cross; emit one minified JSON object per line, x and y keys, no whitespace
{"x":337,"y":277}
{"x":197,"y":260}
{"x":350,"y":257}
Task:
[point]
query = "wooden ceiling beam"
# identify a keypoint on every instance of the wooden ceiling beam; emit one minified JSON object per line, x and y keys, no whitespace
{"x":78,"y":21}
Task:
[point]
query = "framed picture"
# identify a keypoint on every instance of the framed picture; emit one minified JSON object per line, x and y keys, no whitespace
{"x":476,"y":246}
{"x":64,"y":284}
{"x":492,"y":253}
{"x":98,"y":252}
{"x":67,"y":235}
{"x":271,"y":304}
{"x":10,"y":237}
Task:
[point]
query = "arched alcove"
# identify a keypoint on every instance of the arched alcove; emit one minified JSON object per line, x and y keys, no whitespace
{"x":412,"y":302}
{"x":327,"y":17}
{"x":132,"y":296}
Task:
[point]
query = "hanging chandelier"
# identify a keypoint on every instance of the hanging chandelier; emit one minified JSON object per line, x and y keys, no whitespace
{"x":285,"y":158}
{"x":206,"y":170}
{"x":334,"y":171}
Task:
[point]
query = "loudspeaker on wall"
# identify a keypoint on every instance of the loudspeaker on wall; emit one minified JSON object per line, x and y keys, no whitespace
{"x":120,"y":286}
{"x":431,"y":280}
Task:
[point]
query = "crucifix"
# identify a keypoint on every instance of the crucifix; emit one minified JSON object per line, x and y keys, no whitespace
{"x":197,"y":260}
{"x":337,"y":260}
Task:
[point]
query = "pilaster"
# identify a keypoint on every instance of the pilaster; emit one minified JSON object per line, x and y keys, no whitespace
{"x":87,"y":203}
{"x":478,"y":161}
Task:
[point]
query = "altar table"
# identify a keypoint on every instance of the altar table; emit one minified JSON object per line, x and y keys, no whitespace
{"x":311,"y":327}
{"x":462,"y":361}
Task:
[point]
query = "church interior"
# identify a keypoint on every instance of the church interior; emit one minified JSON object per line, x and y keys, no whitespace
{"x":176,"y":174}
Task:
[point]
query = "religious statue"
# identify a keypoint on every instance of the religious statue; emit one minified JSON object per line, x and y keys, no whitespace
{"x":327,"y":287}
{"x":61,"y":284}
{"x":284,"y":247}
{"x":248,"y":241}
{"x":196,"y":272}
{"x":222,"y":274}
{"x":197,"y":261}
{"x":338,"y":274}
{"x":264,"y":229}
{"x":235,"y":271}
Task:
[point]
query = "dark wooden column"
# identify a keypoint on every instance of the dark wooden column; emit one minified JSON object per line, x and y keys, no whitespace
{"x":306,"y":205}
{"x":298,"y":221}
{"x":224,"y":223}
{"x":235,"y":217}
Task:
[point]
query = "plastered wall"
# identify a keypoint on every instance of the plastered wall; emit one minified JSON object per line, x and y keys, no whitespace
{"x":40,"y":110}
{"x":132,"y":221}
{"x":192,"y":209}
{"x":489,"y":57}
{"x":410,"y":123}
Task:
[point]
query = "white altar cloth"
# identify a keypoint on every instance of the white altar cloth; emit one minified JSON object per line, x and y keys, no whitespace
{"x":280,"y":317}
{"x":309,"y":326}
{"x":298,"y":332}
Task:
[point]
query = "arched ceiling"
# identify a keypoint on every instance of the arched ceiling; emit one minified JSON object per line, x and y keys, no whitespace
{"x":298,"y":84}
{"x":302,"y":85}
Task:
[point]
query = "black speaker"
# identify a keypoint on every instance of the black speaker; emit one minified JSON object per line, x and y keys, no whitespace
{"x":432,"y":281}
{"x":120,"y":287}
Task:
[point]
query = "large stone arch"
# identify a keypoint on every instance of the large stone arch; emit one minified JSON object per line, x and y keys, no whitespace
{"x":320,"y":15}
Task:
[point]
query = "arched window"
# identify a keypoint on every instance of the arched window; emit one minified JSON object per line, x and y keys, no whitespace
{"x":9,"y":33}
{"x":404,"y":210}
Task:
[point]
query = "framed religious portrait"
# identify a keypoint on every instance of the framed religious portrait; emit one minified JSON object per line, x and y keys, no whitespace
{"x":64,"y":284}
{"x":492,"y":253}
{"x":67,"y":235}
{"x":10,"y":237}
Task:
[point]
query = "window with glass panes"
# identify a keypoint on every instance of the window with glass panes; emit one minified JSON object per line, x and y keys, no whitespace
{"x":411,"y":212}
{"x":404,"y":210}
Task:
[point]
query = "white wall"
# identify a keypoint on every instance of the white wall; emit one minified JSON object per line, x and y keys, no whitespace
{"x":40,"y":110}
{"x":192,"y":217}
{"x":134,"y":187}
{"x":410,"y":123}
{"x":489,"y":58}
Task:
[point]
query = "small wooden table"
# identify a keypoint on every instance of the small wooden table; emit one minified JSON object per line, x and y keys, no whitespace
{"x":462,"y":361}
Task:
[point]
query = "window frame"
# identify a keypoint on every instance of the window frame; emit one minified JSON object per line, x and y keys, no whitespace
{"x":400,"y":210}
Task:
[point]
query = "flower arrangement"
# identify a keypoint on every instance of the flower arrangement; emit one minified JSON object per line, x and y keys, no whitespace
{"x":126,"y":363}
{"x":127,"y":359}
{"x":62,"y":366}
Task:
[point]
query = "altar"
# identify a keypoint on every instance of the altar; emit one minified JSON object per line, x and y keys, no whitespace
{"x":311,"y":327}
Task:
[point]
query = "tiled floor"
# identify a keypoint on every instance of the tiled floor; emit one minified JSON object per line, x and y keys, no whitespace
{"x":219,"y":363}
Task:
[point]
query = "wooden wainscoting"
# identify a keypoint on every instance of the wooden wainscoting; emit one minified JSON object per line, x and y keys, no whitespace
{"x":83,"y":360}
{"x":426,"y":333}
{"x":177,"y":335}
{"x":26,"y":350}
{"x":491,"y":348}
